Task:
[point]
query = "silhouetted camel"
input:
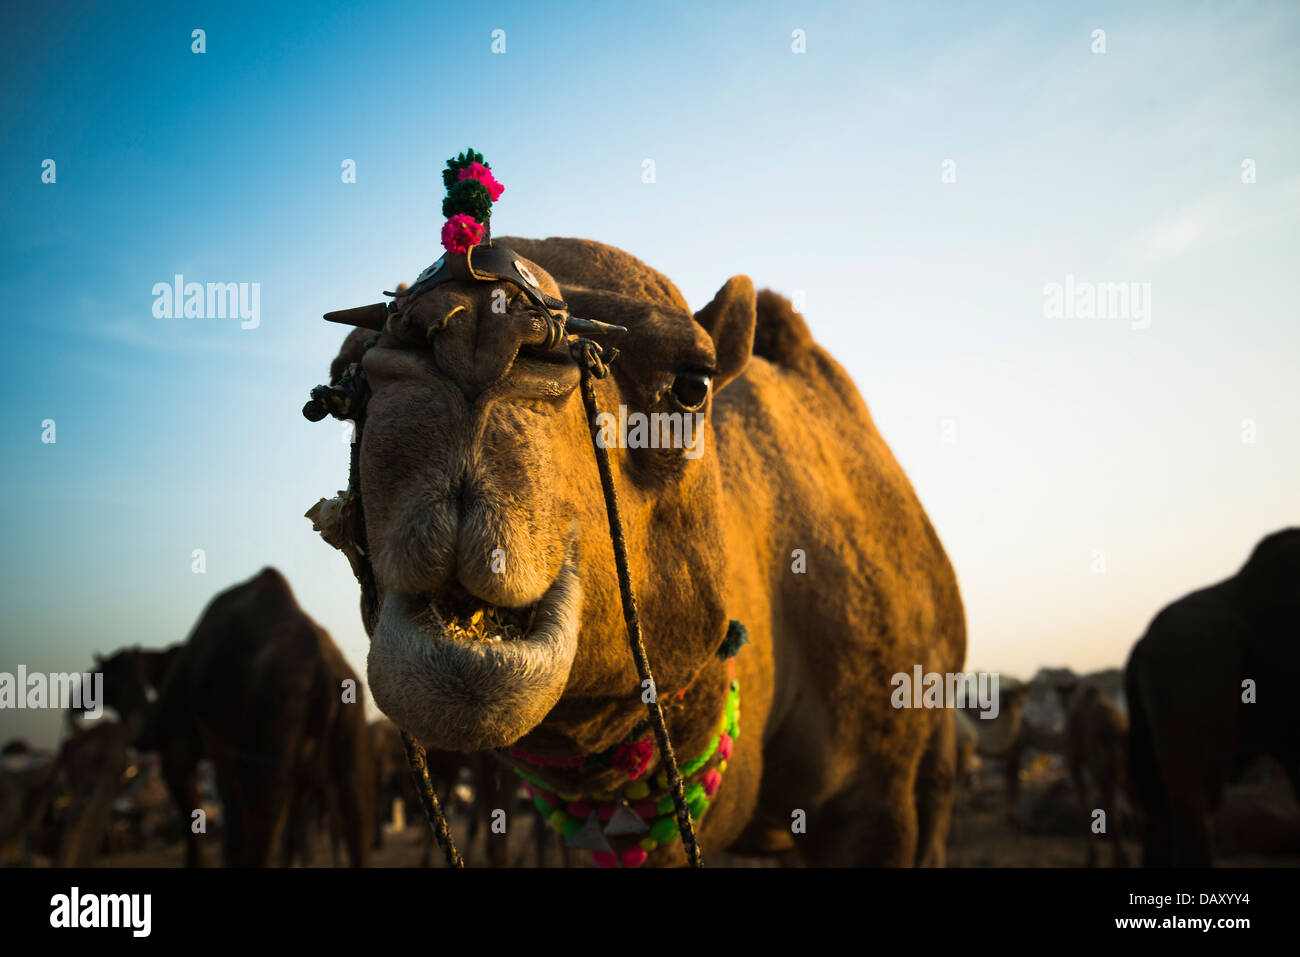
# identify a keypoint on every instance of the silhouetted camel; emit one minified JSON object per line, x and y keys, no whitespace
{"x":1210,"y":687}
{"x":74,"y":792}
{"x":1095,"y":747}
{"x":258,"y":689}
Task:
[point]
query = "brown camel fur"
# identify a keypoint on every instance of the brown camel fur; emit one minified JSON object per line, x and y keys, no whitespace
{"x":1096,"y":735}
{"x":1193,"y":730}
{"x":257,"y":688}
{"x":795,"y":520}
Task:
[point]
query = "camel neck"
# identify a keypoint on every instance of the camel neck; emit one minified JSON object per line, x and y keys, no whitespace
{"x":621,"y":826}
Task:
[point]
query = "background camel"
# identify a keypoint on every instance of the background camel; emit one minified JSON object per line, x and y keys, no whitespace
{"x":1096,"y":735}
{"x":1188,"y":680}
{"x":795,"y":520}
{"x":70,"y":796}
{"x":1004,"y":739}
{"x":257,"y":688}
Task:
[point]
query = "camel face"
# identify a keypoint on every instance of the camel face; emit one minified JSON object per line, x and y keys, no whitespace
{"x":483,"y":507}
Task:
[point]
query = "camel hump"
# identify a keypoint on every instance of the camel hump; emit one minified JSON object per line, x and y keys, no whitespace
{"x":780,"y":333}
{"x":272,"y":578}
{"x":1271,"y":572}
{"x":264,"y":597}
{"x":268,"y":588}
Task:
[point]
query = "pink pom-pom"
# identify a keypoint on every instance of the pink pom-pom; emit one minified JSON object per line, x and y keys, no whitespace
{"x":711,"y":780}
{"x":484,"y":175}
{"x":724,"y":746}
{"x":461,"y":233}
{"x":634,"y":857}
{"x":633,"y":757}
{"x":579,"y":809}
{"x":646,"y":810}
{"x":606,"y":811}
{"x":605,"y":858}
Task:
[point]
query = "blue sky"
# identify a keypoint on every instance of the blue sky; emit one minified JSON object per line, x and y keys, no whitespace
{"x":1034,"y":442}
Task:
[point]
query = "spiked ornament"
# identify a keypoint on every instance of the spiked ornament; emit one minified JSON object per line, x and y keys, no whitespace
{"x":623,"y":821}
{"x":589,"y":836}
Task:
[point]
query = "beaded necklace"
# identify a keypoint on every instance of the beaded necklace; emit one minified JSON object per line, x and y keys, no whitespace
{"x":622,"y":827}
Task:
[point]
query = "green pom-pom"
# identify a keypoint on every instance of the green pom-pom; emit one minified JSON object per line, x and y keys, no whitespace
{"x":451,"y":175}
{"x":665,"y":830}
{"x":737,"y":636}
{"x":470,"y":197}
{"x":698,"y":807}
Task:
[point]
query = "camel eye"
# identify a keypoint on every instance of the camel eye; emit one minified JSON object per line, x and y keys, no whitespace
{"x":691,"y":389}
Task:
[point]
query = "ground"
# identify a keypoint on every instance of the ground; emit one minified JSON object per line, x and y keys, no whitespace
{"x":987,"y":831}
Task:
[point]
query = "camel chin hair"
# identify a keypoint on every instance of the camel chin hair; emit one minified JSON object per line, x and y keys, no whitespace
{"x":458,"y":695}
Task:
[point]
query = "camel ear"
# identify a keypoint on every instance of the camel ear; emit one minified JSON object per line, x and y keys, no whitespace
{"x":729,"y":320}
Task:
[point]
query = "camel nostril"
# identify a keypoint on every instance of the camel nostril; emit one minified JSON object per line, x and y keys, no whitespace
{"x":436,"y":327}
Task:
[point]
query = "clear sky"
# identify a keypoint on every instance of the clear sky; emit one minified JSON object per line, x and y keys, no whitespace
{"x":1035,"y":442}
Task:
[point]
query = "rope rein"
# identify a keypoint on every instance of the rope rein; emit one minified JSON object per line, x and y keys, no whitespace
{"x":418,"y":759}
{"x":593,"y":363}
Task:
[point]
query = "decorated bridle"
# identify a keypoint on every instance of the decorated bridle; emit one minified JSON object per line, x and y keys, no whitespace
{"x":472,"y":256}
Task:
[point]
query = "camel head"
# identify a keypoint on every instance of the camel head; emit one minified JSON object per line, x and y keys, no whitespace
{"x":483,"y":510}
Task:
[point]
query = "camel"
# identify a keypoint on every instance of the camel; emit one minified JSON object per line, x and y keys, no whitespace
{"x":75,"y":791}
{"x":788,"y":514}
{"x":1004,"y":738}
{"x":257,"y":688}
{"x":1095,"y":752}
{"x":1209,"y":689}
{"x":28,"y":783}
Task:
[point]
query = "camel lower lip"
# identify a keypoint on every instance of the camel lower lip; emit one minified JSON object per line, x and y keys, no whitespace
{"x":469,"y":695}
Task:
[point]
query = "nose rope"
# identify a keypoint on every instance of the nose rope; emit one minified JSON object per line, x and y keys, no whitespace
{"x":346,"y":398}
